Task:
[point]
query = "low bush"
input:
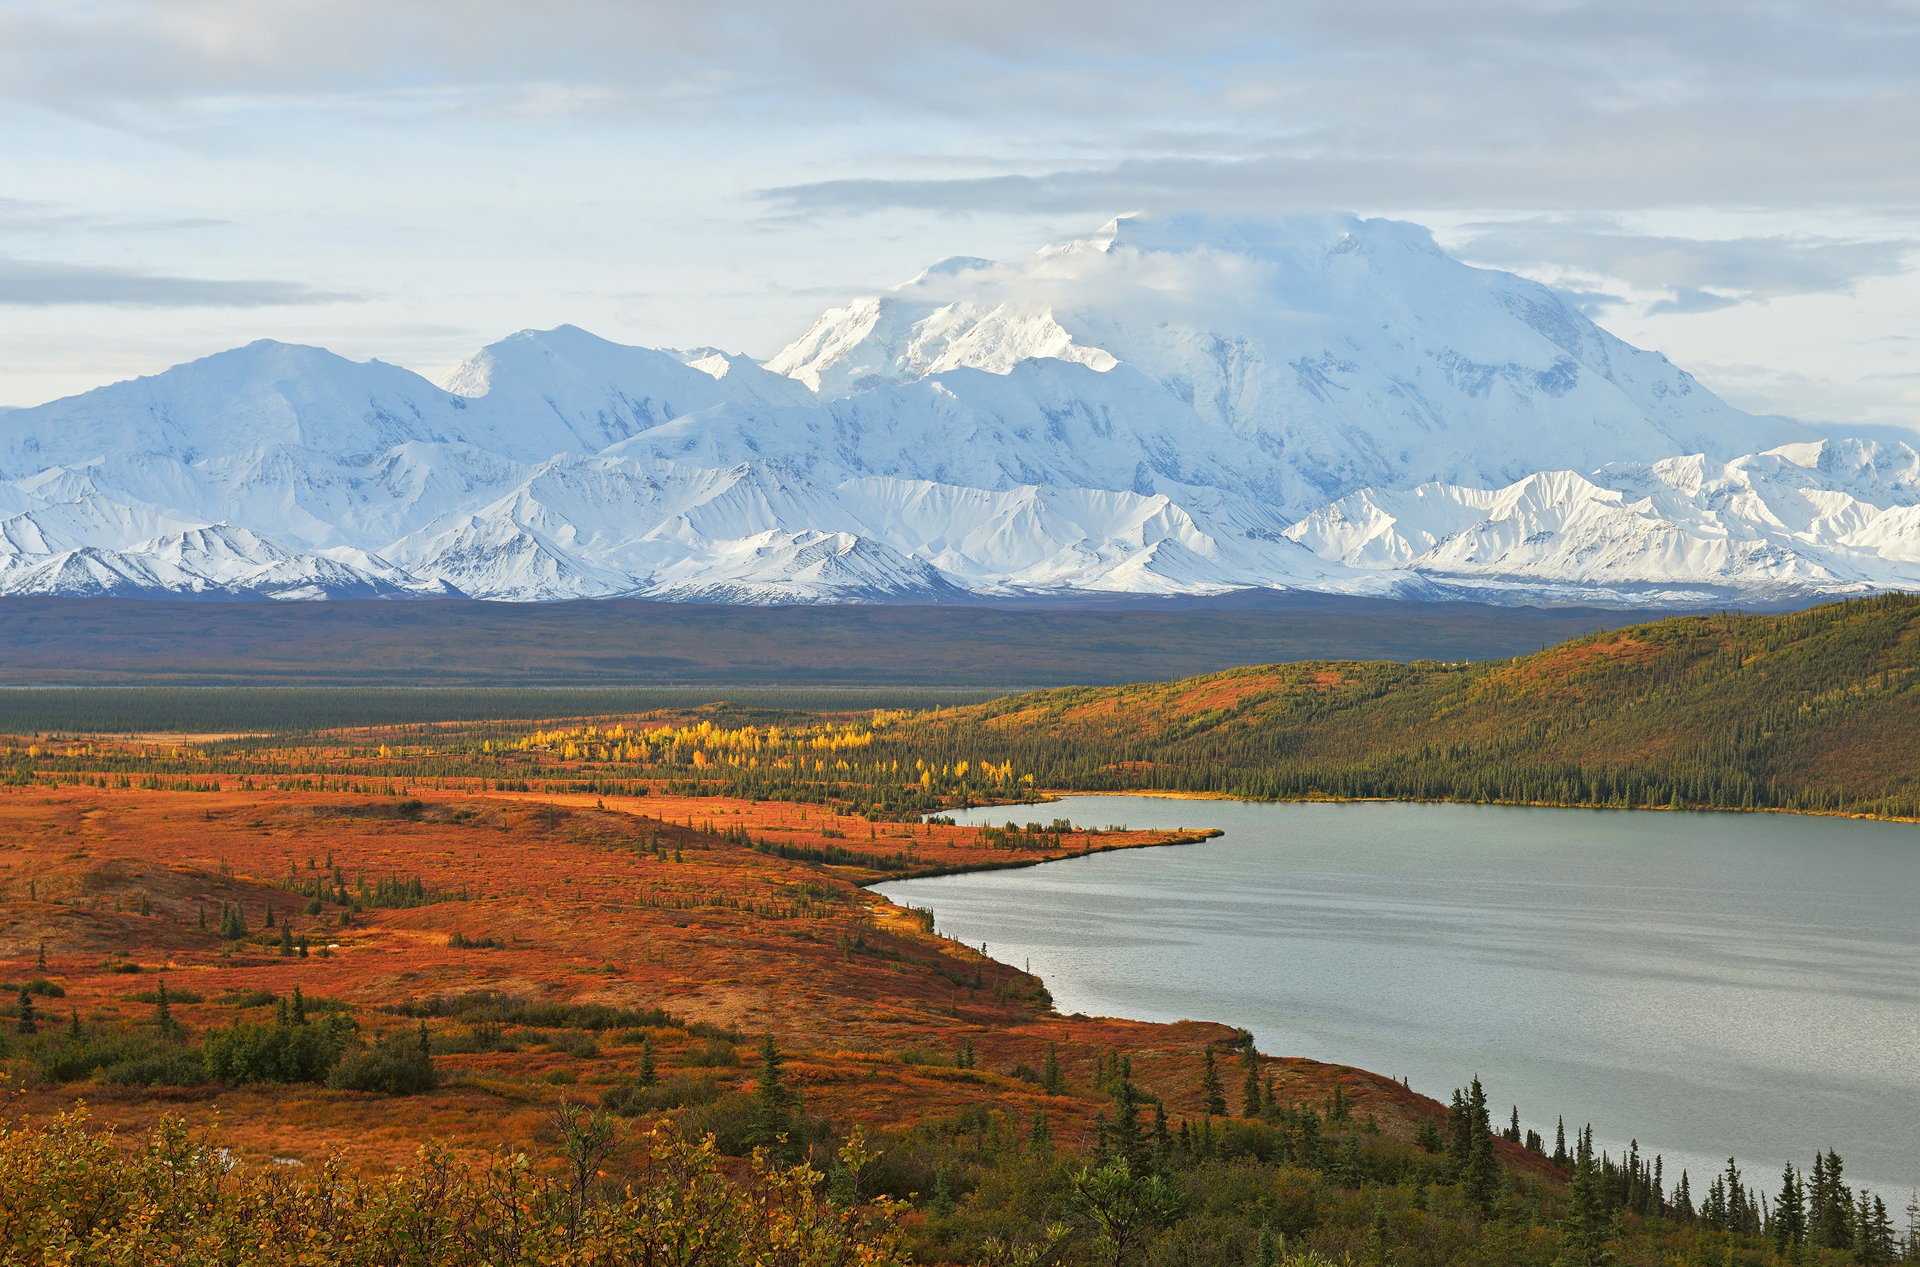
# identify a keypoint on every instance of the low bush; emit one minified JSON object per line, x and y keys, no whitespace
{"x":176,"y":1067}
{"x":574,"y":1043}
{"x":173,"y":996}
{"x":280,"y":1052}
{"x":400,"y":1066}
{"x":39,"y":987}
{"x":715,"y":1053}
{"x":629,"y":1098}
{"x":505,"y":1009}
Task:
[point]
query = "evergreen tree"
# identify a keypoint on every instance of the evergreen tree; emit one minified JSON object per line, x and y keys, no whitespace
{"x":203,"y":917}
{"x":26,"y":1024}
{"x":1789,"y":1227}
{"x":162,"y":1013}
{"x":74,"y":1031}
{"x":1480,"y":1177}
{"x":1210,"y":1090}
{"x":1512,"y":1133}
{"x":1250,"y":1085}
{"x":1266,"y":1252}
{"x":1560,"y":1157}
{"x":41,"y":962}
{"x":1683,"y":1200}
{"x":1886,"y":1246}
{"x":297,"y":1010}
{"x":1587,"y":1226}
{"x":268,"y":923}
{"x":1125,"y":1132}
{"x":1380,"y":1238}
{"x":1829,"y":1205}
{"x":286,"y":942}
{"x":1040,"y":1136}
{"x":648,"y":1074}
{"x":1162,"y":1151}
{"x":771,"y":1106}
{"x":1052,"y":1081}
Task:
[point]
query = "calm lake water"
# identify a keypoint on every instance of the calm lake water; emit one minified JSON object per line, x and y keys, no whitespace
{"x":1709,"y":984}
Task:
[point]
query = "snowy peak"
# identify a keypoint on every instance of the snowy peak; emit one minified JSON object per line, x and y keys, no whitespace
{"x":889,"y":340}
{"x":1168,"y":405}
{"x":1345,"y":353}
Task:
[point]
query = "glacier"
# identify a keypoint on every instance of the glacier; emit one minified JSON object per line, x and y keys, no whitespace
{"x":1169,"y":406}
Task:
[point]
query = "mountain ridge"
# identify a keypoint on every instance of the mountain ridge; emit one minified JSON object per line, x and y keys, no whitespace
{"x":1177,"y":406}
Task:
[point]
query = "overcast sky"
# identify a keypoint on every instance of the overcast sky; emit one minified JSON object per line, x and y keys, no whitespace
{"x":1737,"y":185}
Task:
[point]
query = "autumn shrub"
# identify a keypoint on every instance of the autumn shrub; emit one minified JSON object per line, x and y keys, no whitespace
{"x":173,"y":996}
{"x":575,"y":1043}
{"x":506,"y":1009}
{"x":39,"y":987}
{"x":715,"y":1053}
{"x":167,"y":1067}
{"x":399,"y":1066}
{"x":58,"y":1056}
{"x":629,"y":1099}
{"x":278,"y":1052}
{"x":69,"y":1194}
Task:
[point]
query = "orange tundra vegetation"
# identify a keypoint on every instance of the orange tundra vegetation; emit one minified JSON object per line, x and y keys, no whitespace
{"x":660,"y":904}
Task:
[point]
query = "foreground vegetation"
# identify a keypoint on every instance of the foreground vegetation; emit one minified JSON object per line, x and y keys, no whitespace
{"x":68,"y":1194}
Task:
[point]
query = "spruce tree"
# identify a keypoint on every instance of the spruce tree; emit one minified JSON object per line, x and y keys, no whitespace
{"x":1040,"y":1135}
{"x":26,"y":1024}
{"x":1125,"y":1134}
{"x":41,"y":962}
{"x":1380,"y":1238}
{"x":1789,"y":1214}
{"x":1052,"y":1081}
{"x":1560,"y":1157}
{"x":1210,"y":1090}
{"x":1250,"y":1085}
{"x":74,"y":1031}
{"x":286,"y":942}
{"x":1585,"y":1229}
{"x":771,"y":1117}
{"x":648,"y":1074}
{"x":162,"y":1013}
{"x":268,"y":923}
{"x":1683,"y":1200}
{"x":1480,"y":1177}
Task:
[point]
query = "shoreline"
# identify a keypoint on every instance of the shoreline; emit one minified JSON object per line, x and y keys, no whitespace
{"x":1055,"y":796}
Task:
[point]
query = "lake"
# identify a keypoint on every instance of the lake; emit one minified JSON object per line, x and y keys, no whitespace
{"x":1709,"y":984}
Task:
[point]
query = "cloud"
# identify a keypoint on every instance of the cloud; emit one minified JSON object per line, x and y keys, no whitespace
{"x":45,"y":283}
{"x":1089,"y":104}
{"x":1697,"y":274}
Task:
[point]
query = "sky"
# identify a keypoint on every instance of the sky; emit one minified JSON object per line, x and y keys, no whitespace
{"x":1734,"y":184}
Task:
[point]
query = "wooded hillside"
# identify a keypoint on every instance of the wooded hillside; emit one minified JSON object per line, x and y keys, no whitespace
{"x":1815,"y":710}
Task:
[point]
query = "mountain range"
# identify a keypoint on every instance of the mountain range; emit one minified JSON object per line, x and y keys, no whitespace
{"x":1170,"y":406}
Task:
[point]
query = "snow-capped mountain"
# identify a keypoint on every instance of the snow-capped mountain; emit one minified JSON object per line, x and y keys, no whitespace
{"x":1169,"y":406}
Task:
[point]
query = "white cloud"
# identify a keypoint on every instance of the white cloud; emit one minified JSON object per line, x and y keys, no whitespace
{"x":49,"y":283}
